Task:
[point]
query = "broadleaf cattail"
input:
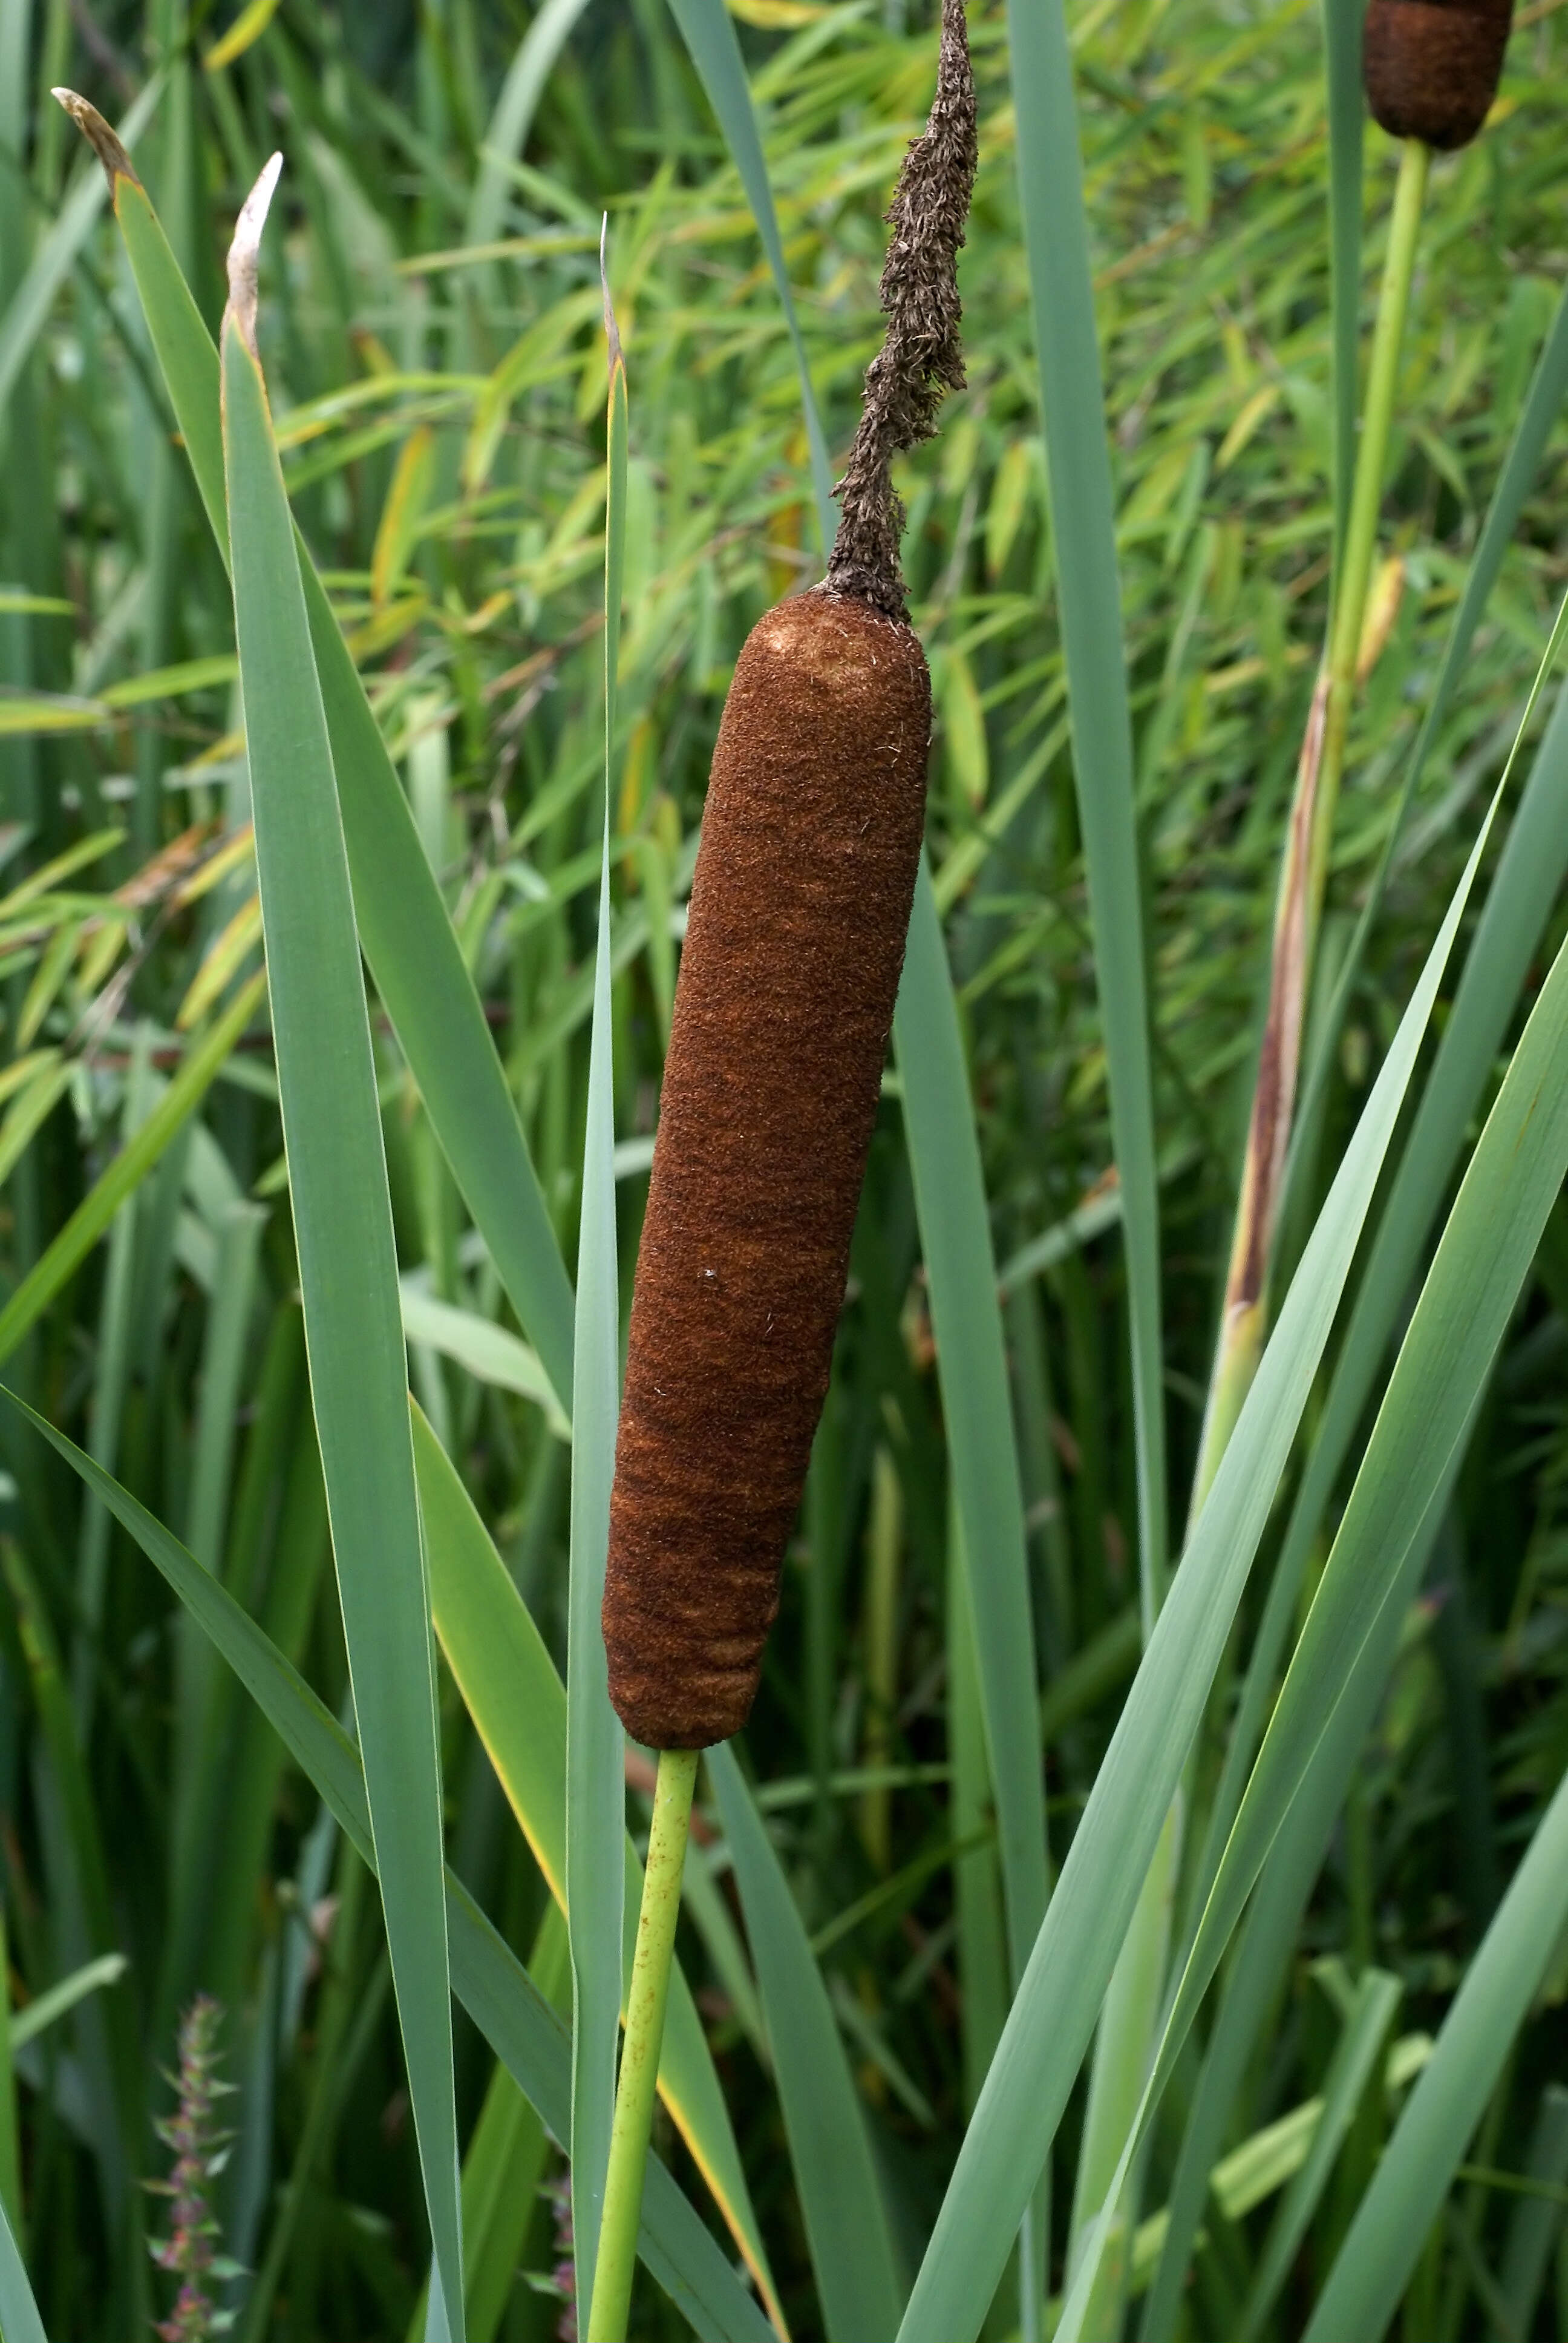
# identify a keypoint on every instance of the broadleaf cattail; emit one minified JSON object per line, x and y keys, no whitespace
{"x":794,"y":947}
{"x":1431,"y":67}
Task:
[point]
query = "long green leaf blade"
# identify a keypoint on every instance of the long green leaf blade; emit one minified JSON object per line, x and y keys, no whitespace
{"x":342,"y":1229}
{"x":510,"y":1687}
{"x":708,"y":31}
{"x":1049,"y":2024}
{"x":840,"y":2202}
{"x":491,"y":1982}
{"x":977,"y":1408}
{"x":1519,"y":901}
{"x":1056,"y":240}
{"x":508,"y":131}
{"x":19,"y":2319}
{"x":1393,"y":2218}
{"x":1481,"y":1264}
{"x":595,"y":1743}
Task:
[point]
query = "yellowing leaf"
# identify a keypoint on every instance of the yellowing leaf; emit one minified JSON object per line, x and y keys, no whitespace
{"x":404,"y":509}
{"x":1382,"y":610}
{"x":963,"y":726}
{"x":227,"y":952}
{"x":1009,"y":502}
{"x":247,"y":27}
{"x":1252,"y":414}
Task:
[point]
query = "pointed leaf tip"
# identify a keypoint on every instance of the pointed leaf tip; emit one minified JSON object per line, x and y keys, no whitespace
{"x":244,"y":253}
{"x":116,"y":163}
{"x":611,"y":330}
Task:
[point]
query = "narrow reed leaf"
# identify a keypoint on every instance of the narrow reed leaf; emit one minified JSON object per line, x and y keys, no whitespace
{"x":405,"y":933}
{"x":342,"y":1229}
{"x":596,"y":1744}
{"x":60,"y":1999}
{"x":1267,"y":1939}
{"x":19,"y":2319}
{"x":59,"y":250}
{"x":1470,"y":1292}
{"x":851,"y":2249}
{"x":125,"y":1172}
{"x":485,"y":1351}
{"x":1533,"y":2230}
{"x":487,"y":1976}
{"x":507,"y":133}
{"x":1350,"y":2070}
{"x":1049,"y":2028}
{"x":708,"y":31}
{"x":245,"y":30}
{"x":510,"y":1687}
{"x":1418,"y":2165}
{"x":977,"y":1407}
{"x":1088,"y":590}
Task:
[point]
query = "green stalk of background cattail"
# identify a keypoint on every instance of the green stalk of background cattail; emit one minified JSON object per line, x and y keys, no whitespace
{"x":1430,"y":69}
{"x":800,"y":905}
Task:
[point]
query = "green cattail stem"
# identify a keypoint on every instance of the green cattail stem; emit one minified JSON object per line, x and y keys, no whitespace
{"x":1366,"y":494}
{"x":1303,"y":874}
{"x":640,"y":2055}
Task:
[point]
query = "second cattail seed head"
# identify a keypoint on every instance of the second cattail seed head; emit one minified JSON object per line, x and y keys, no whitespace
{"x":1431,"y":67}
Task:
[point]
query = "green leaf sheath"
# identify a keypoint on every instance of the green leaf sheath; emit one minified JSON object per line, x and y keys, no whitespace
{"x":348,"y":1267}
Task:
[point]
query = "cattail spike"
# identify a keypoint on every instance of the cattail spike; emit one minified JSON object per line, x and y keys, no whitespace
{"x":1431,"y":67}
{"x":794,"y":947}
{"x":921,"y":355}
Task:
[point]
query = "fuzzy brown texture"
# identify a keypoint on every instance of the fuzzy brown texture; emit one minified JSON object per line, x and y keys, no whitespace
{"x":1431,"y":67}
{"x":791,"y":967}
{"x":921,"y":355}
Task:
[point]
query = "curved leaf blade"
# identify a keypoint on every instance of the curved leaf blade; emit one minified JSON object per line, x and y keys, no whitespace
{"x":510,"y":1687}
{"x":491,"y":1982}
{"x":347,"y":1265}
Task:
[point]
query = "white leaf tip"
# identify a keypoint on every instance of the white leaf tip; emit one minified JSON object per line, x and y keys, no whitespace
{"x":245,"y":252}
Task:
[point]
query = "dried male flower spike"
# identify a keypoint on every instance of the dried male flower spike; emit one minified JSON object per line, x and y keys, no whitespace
{"x":794,"y":947}
{"x":1431,"y":67}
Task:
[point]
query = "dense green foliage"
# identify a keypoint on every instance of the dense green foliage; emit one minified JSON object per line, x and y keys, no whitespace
{"x":442,"y":416}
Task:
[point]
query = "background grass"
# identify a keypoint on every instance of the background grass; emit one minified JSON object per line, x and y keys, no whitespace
{"x":442,"y":419}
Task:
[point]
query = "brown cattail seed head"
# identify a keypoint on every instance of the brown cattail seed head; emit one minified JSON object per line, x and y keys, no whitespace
{"x":800,"y":905}
{"x":788,"y":979}
{"x":1431,"y":67}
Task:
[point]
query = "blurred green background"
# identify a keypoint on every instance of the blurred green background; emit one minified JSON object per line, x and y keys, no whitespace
{"x":431,"y":330}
